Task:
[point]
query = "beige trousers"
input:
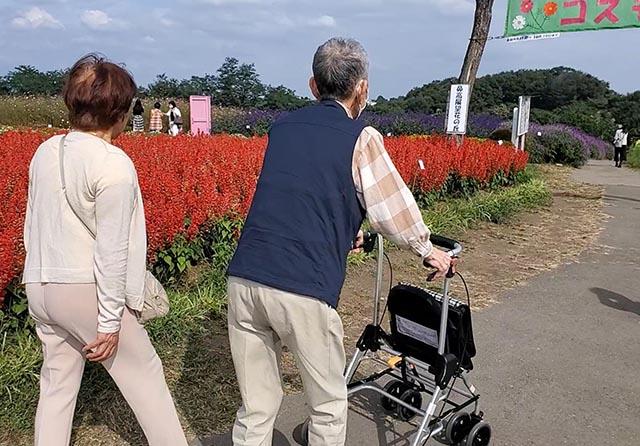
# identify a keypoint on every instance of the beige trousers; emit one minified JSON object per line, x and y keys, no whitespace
{"x":66,"y":317}
{"x":260,"y":320}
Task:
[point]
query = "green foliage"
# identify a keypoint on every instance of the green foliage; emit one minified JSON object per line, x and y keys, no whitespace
{"x":282,"y":98}
{"x":561,"y":147}
{"x":14,"y":314}
{"x":237,"y":85}
{"x":550,"y":89}
{"x":559,"y":95}
{"x":32,"y":111}
{"x":25,"y":79}
{"x":5,"y":88}
{"x":215,"y":244}
{"x":455,"y":215}
{"x":626,"y":111}
{"x":633,"y":157}
{"x":589,"y":117}
{"x":543,"y":117}
{"x":20,"y":361}
{"x":538,"y":152}
{"x":164,"y":87}
{"x":501,"y":134}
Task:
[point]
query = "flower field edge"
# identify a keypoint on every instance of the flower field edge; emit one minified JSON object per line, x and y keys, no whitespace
{"x":189,"y":182}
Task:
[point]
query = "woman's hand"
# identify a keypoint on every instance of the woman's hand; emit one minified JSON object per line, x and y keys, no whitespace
{"x":103,"y":348}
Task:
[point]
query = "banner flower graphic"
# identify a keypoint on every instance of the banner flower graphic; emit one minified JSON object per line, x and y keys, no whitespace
{"x":526,"y":17}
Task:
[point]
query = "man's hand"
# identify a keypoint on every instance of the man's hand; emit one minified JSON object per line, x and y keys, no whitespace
{"x":441,"y":261}
{"x":357,"y":243}
{"x":103,"y":348}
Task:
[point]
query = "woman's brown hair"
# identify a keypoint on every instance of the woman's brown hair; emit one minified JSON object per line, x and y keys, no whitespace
{"x":98,"y":93}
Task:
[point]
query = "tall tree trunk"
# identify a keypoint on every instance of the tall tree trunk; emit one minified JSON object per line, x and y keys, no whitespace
{"x":477,"y":42}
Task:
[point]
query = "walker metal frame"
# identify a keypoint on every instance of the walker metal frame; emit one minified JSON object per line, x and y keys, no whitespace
{"x":446,"y":398}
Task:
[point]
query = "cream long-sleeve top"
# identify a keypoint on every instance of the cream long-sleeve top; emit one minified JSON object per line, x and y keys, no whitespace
{"x":102,"y":186}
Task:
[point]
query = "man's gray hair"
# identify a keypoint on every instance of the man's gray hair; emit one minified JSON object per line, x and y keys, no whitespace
{"x":338,"y":65}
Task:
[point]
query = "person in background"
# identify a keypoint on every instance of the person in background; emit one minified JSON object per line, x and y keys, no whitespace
{"x":175,"y":119}
{"x":618,"y":140}
{"x":324,"y":170}
{"x":138,"y":116}
{"x":85,"y":263}
{"x":155,"y":122}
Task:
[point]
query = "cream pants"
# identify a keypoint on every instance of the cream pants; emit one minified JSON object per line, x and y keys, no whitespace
{"x":66,"y":317}
{"x":260,"y":320}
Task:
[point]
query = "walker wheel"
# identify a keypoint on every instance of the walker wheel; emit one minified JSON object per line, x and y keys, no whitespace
{"x":412,"y":398}
{"x":457,"y":428}
{"x":395,"y":388}
{"x":304,"y":432}
{"x":480,"y":435}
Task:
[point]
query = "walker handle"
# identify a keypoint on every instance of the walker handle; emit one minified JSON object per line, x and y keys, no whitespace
{"x":454,"y":248}
{"x":369,"y":241}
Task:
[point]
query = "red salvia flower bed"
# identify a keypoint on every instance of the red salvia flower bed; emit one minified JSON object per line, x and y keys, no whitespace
{"x":188,"y":182}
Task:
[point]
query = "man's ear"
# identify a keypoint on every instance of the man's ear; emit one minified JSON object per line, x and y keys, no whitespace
{"x":365,"y":87}
{"x":314,"y":87}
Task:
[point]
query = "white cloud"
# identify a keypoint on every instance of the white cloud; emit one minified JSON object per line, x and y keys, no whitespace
{"x":446,"y":7}
{"x":161,"y":16}
{"x":454,"y":7}
{"x":36,"y":18}
{"x":96,"y":19}
{"x":325,"y":21}
{"x":241,"y":2}
{"x":149,"y":39}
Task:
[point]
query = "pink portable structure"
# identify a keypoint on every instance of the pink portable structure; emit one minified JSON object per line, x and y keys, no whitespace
{"x":200,"y":109}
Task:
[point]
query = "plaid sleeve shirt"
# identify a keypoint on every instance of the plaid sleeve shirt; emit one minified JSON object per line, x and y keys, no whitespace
{"x":391,"y":208}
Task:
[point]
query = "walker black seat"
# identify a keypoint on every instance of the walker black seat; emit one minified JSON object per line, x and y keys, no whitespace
{"x":415,"y":321}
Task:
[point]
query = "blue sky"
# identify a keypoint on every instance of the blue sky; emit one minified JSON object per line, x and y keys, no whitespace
{"x":410,"y":42}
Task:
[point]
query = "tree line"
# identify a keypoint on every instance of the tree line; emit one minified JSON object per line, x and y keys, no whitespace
{"x":559,"y":95}
{"x":234,"y":84}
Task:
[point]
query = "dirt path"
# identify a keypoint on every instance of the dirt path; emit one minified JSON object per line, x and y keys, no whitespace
{"x":557,"y":353}
{"x":530,"y":244}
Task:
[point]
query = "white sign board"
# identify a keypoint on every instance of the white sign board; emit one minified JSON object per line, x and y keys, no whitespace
{"x":514,"y":127}
{"x":458,"y":109}
{"x":531,"y":37}
{"x":524,"y":107}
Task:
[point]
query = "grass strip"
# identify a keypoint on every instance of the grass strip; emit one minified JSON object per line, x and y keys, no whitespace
{"x":191,"y":340}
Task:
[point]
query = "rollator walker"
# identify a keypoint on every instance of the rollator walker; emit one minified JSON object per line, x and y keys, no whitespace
{"x":427,"y":352}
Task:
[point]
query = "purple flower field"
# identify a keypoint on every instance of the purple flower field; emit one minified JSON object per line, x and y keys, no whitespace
{"x":547,"y":143}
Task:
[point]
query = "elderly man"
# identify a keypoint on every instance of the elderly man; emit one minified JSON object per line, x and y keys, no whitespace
{"x":324,"y":171}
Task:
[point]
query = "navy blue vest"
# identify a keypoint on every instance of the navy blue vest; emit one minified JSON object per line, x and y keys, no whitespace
{"x":305,"y":213}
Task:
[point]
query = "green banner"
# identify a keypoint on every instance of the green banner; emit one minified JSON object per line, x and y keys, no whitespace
{"x":545,"y":16}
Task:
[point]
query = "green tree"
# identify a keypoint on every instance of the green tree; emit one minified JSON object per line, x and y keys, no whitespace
{"x":282,"y":98}
{"x":626,"y":111}
{"x":237,"y":85}
{"x":5,"y":88}
{"x":589,"y":117}
{"x":25,"y":79}
{"x":164,"y":87}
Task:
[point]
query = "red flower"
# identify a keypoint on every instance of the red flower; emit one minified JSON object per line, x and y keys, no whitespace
{"x":550,"y":8}
{"x":526,"y":6}
{"x":188,"y":182}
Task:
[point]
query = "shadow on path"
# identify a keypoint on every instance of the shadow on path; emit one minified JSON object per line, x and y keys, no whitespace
{"x":616,"y":301}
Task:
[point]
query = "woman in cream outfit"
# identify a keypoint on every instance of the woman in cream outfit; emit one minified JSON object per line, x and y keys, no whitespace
{"x":81,"y":289}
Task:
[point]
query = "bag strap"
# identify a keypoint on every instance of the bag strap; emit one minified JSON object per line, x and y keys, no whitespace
{"x":64,"y":186}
